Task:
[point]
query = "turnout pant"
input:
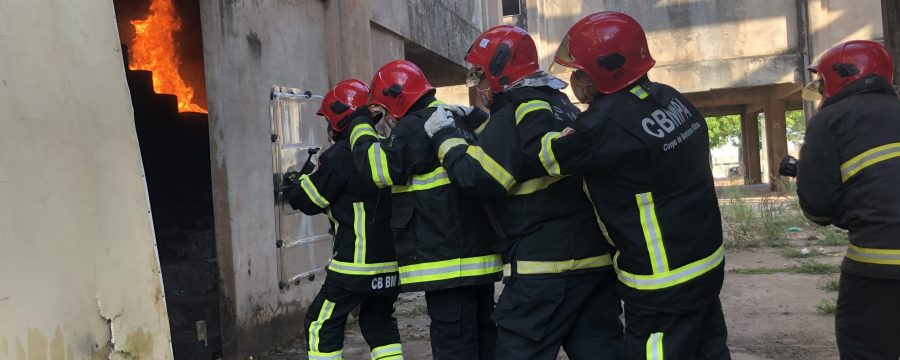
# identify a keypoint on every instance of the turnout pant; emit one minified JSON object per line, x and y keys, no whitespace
{"x":867,"y":321}
{"x":580,"y":313}
{"x":461,"y":327}
{"x":656,"y":335}
{"x":327,"y":316}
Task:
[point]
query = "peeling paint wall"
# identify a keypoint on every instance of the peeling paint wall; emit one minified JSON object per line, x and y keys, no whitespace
{"x":79,"y":275}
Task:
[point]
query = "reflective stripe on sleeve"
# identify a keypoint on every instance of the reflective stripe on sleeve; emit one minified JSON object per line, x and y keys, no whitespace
{"x":362,"y":269}
{"x":431,"y":180}
{"x":652,"y":233}
{"x":450,"y":269}
{"x":546,"y":155}
{"x":378,"y":164}
{"x":360,"y":131}
{"x":873,"y":256}
{"x":448,"y":144}
{"x":489,"y":165}
{"x":671,"y":277}
{"x":388,"y":352}
{"x":530,"y":267}
{"x":312,"y":192}
{"x":655,"y":346}
{"x":871,"y":157}
{"x":533,"y":185}
{"x":315,"y":326}
{"x":359,"y":230}
{"x":527,"y":107}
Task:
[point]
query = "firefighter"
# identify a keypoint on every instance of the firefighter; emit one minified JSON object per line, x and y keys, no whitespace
{"x":559,"y":283}
{"x":643,"y":149}
{"x":849,"y":169}
{"x":364,"y":270}
{"x":443,"y":240}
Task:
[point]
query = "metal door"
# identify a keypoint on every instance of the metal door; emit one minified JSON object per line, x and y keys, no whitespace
{"x":304,"y":243}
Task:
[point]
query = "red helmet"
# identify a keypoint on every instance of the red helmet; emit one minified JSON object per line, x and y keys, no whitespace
{"x":610,"y":47}
{"x":847,"y":62}
{"x":505,"y":54}
{"x":397,"y":86}
{"x":341,"y":100}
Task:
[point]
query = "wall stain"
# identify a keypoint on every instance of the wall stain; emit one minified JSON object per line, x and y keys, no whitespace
{"x":58,"y":345}
{"x":4,"y":347}
{"x":139,"y":343}
{"x":20,"y":350}
{"x":255,"y":45}
{"x":37,"y":345}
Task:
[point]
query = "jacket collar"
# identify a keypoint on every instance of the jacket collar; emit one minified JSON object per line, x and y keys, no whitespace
{"x":869,"y":84}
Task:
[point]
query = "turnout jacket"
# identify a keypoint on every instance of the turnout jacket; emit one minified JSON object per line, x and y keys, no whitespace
{"x":442,"y":239}
{"x":644,"y":152}
{"x":364,"y":259}
{"x":548,"y":222}
{"x":849,"y":173}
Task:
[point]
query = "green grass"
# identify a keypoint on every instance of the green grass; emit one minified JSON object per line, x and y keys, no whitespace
{"x":826,"y":307}
{"x":758,"y":270}
{"x":814,"y":267}
{"x":830,"y":286}
{"x":793,"y":253}
{"x":833,"y":237}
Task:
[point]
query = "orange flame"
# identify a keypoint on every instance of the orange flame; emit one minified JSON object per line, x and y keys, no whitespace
{"x":153,"y":49}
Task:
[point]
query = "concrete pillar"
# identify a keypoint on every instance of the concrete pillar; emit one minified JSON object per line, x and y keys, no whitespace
{"x":750,"y":148}
{"x":890,"y":16}
{"x":776,"y":141}
{"x":348,"y":35}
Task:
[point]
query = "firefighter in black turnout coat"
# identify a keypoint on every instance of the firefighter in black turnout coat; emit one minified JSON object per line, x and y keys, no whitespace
{"x":643,"y":149}
{"x":363,"y":271}
{"x":560,"y":285}
{"x":444,"y":240}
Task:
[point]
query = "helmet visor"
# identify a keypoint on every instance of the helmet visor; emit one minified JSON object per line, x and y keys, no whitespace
{"x":474,"y":76}
{"x":562,"y":61}
{"x":813,"y":90}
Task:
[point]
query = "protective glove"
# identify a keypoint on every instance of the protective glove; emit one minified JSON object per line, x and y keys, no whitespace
{"x":440,"y":119}
{"x":292,"y":178}
{"x":788,"y":166}
{"x":459,"y":110}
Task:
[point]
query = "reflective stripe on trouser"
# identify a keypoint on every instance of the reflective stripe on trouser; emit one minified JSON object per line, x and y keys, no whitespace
{"x":388,"y":352}
{"x":529,"y":106}
{"x":530,"y":267}
{"x":450,"y":269}
{"x":655,"y":346}
{"x":672,"y":277}
{"x":876,"y":155}
{"x":334,"y":355}
{"x":312,"y":192}
{"x":873,"y":256}
{"x":652,"y":234}
{"x":548,"y":160}
{"x":379,"y":166}
{"x":359,"y":230}
{"x":431,"y":180}
{"x":362,"y":269}
{"x":316,"y":326}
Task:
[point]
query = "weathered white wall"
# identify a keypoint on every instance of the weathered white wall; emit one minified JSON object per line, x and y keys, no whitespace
{"x":833,"y":21}
{"x":79,"y":276}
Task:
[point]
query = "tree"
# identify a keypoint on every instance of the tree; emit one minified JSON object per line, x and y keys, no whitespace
{"x":724,"y":130}
{"x":795,"y":122}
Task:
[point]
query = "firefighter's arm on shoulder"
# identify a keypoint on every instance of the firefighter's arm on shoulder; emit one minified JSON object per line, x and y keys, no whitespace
{"x":371,"y":159}
{"x":315,"y":192}
{"x":470,"y":167}
{"x":585,"y":147}
{"x":818,"y":175}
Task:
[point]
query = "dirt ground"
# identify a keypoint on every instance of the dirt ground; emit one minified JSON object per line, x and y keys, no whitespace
{"x":771,"y":315}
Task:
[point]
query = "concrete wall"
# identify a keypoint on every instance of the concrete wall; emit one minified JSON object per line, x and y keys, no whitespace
{"x":832,"y":22}
{"x":79,"y":275}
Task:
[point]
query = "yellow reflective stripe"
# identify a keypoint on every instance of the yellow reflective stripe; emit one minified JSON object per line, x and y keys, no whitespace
{"x":584,"y":186}
{"x":450,"y":269}
{"x":533,"y":185}
{"x":870,"y":157}
{"x":448,"y":144}
{"x":334,"y":355}
{"x":362,"y":269}
{"x":671,"y":277}
{"x":359,"y":231}
{"x":360,"y":131}
{"x":652,"y":233}
{"x":483,"y":125}
{"x":491,"y":167}
{"x":315,"y":326}
{"x":531,"y":267}
{"x":638,"y":91}
{"x":378,"y":164}
{"x":431,"y":180}
{"x":435,"y":103}
{"x":312,"y":192}
{"x":334,"y":221}
{"x":527,"y":107}
{"x":655,"y":346}
{"x":873,"y":256}
{"x":390,"y":351}
{"x":546,"y":155}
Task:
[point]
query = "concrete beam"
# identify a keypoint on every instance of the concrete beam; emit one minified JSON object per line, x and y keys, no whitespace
{"x":750,"y":148}
{"x":890,"y":15}
{"x":745,"y":95}
{"x":776,"y":143}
